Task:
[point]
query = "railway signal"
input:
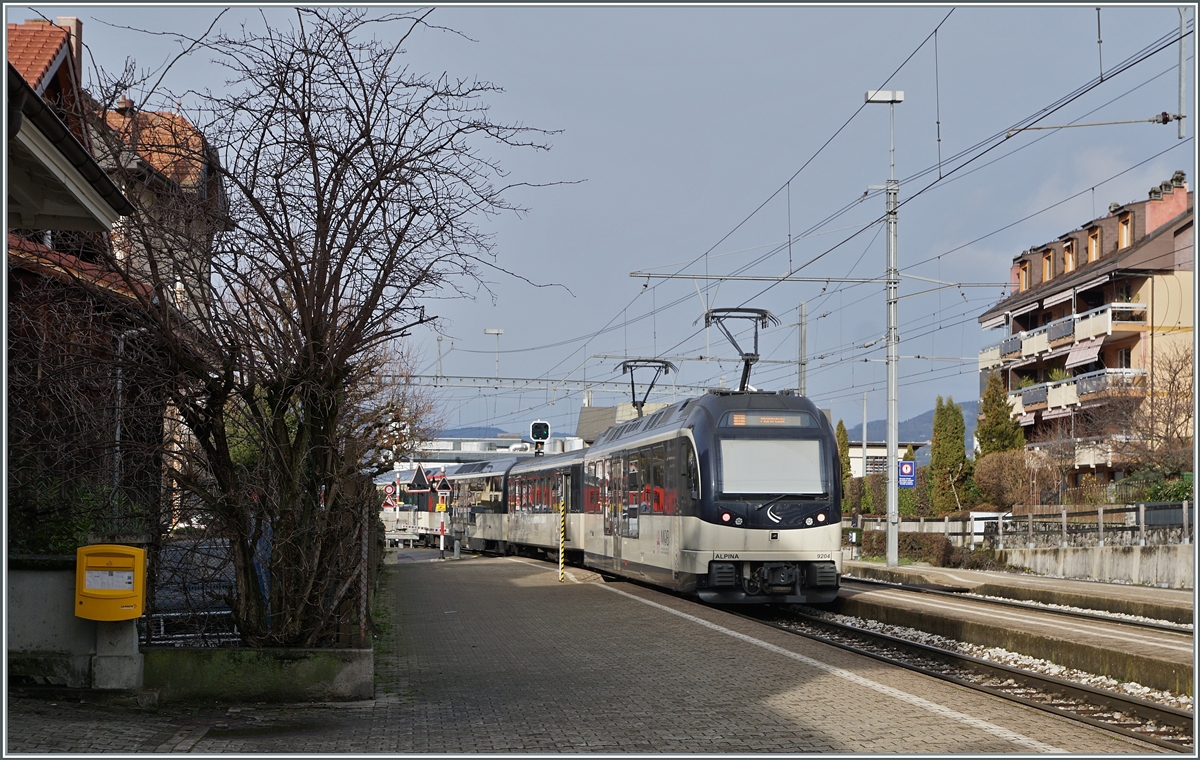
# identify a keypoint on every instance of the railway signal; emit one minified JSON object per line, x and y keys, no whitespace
{"x":539,"y":433}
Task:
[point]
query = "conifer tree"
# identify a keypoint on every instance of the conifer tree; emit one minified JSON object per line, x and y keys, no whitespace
{"x":948,"y":460}
{"x":997,"y":430}
{"x":843,"y":444}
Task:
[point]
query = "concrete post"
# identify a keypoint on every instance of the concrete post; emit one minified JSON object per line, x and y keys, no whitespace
{"x":1064,"y":529}
{"x":1141,"y":524}
{"x":117,"y":663}
{"x":1100,"y":523}
{"x":1185,"y":523}
{"x":1000,"y":530}
{"x":1030,"y":530}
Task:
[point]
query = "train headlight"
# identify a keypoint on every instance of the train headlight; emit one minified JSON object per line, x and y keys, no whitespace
{"x":808,"y":521}
{"x":726,"y":517}
{"x":821,"y":517}
{"x":738,"y":521}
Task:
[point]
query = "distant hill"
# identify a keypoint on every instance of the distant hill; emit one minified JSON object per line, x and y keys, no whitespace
{"x":919,"y":428}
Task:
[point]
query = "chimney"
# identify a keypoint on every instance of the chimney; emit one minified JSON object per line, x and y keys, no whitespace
{"x":75,"y":28}
{"x":1167,"y":201}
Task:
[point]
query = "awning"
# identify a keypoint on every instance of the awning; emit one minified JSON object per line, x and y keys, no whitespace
{"x":1092,"y":284}
{"x":1064,"y":412}
{"x":993,"y":323}
{"x":1054,"y":300}
{"x":1025,"y":309}
{"x":1084,"y":353}
{"x":1056,"y":352}
{"x":1027,"y":419}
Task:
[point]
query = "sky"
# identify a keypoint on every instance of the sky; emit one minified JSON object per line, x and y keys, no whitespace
{"x":698,"y":139}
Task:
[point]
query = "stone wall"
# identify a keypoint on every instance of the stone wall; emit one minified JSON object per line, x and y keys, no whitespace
{"x":1171,"y":566}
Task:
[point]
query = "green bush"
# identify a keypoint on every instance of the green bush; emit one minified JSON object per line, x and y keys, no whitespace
{"x":933,"y":548}
{"x":1172,"y":490}
{"x":979,"y":559}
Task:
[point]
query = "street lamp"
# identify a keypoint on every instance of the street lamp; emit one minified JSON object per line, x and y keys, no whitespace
{"x":497,"y":332}
{"x":891,"y":97}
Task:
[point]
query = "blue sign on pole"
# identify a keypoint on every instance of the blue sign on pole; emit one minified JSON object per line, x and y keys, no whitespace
{"x":906,"y":474}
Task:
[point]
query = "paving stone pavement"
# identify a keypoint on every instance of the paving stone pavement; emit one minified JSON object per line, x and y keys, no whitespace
{"x":494,"y":655}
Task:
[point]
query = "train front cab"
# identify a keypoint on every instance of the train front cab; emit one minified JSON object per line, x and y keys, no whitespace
{"x":770,"y":510}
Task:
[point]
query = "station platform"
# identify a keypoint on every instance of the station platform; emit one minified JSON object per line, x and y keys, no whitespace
{"x":1172,"y":605}
{"x":1156,"y":659}
{"x":494,"y":655}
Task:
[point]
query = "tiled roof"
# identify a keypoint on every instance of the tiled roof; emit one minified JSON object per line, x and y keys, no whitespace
{"x":35,"y":50}
{"x":166,"y":141}
{"x":36,"y":257}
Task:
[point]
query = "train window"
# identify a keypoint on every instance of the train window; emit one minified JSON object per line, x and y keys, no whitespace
{"x":772,"y":466}
{"x":691,"y":471}
{"x":658,"y":463}
{"x":769,"y":419}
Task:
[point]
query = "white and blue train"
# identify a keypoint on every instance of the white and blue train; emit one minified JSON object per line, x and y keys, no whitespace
{"x":732,"y":496}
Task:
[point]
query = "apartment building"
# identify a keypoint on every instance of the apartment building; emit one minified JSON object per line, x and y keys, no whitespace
{"x":1088,"y":314}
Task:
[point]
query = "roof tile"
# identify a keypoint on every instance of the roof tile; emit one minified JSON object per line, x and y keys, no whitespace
{"x":33,"y":48}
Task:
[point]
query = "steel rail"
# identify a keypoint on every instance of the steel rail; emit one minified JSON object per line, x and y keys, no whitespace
{"x":1180,"y":721}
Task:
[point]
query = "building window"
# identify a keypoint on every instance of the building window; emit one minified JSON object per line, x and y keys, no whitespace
{"x":1093,"y":251}
{"x":1124,"y":358}
{"x":1125,"y":231}
{"x":1047,"y":266}
{"x":1069,"y":256}
{"x":1024,"y":281}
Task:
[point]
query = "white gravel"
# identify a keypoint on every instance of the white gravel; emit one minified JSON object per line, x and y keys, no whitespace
{"x":1100,"y":613}
{"x":1012,"y":659}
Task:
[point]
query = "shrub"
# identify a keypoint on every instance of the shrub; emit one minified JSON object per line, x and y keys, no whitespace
{"x":1172,"y":490}
{"x":933,"y":548}
{"x":980,"y":559}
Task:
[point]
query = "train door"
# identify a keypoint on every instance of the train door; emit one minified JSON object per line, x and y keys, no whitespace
{"x":616,"y":505}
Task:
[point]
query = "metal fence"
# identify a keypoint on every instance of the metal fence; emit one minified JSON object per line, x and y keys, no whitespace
{"x":1142,"y":524}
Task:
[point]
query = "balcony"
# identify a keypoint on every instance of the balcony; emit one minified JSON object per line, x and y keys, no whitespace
{"x":1119,"y":319}
{"x":1014,"y":400}
{"x":1062,"y":393}
{"x":1110,"y":382}
{"x":989,"y":357}
{"x":1081,"y":452}
{"x":1115,"y":319}
{"x":1010,"y":348}
{"x":1034,"y":397}
{"x":1034,"y":342}
{"x":1061,"y":333}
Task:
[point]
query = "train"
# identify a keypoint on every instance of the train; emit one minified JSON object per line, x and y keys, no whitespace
{"x":733,"y":497}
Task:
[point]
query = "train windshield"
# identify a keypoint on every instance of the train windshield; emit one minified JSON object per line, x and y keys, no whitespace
{"x":773,"y":466}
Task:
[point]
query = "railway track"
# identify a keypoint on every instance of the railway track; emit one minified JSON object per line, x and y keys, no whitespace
{"x":1157,"y":724}
{"x":1099,"y":615}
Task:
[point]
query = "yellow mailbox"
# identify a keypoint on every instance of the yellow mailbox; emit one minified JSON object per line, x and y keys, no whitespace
{"x":110,"y":582}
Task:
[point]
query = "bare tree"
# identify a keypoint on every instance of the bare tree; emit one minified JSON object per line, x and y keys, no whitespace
{"x":290,"y":231}
{"x":1003,"y":477}
{"x":1158,"y":419}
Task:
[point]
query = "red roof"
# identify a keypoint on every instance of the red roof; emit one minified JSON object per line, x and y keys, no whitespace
{"x":35,"y":50}
{"x":167,"y":141}
{"x":64,"y":266}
